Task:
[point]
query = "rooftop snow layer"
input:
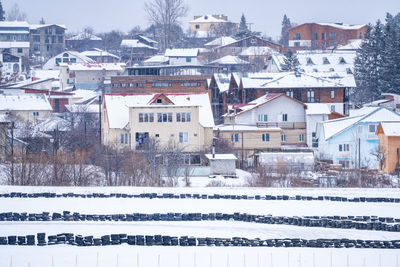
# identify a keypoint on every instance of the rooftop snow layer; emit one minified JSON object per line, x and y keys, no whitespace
{"x":317,"y":109}
{"x":24,"y":102}
{"x":182,"y":52}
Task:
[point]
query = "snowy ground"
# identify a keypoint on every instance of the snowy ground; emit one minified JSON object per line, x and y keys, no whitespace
{"x":125,"y":255}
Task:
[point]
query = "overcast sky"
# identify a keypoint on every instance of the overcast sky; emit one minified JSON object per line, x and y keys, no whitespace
{"x":106,"y":15}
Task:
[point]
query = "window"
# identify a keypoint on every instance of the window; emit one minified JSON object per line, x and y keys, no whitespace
{"x":183,"y":137}
{"x":372,"y":128}
{"x":333,"y":94}
{"x":123,"y":85}
{"x":332,"y":36}
{"x":296,"y":36}
{"x":159,"y":101}
{"x":197,"y":26}
{"x":344,"y":147}
{"x":333,"y":108}
{"x":284,"y":117}
{"x":161,"y":85}
{"x":235,"y":137}
{"x":19,"y":50}
{"x":164,"y":117}
{"x":58,"y":60}
{"x":53,"y":39}
{"x":253,"y":41}
{"x":157,"y":135}
{"x":115,"y":85}
{"x":183,"y":117}
{"x":131,"y":84}
{"x":146,"y":117}
{"x":59,"y":31}
{"x":188,"y":59}
{"x":310,"y":96}
{"x":289,"y":94}
{"x":262,"y":117}
{"x":36,"y":38}
{"x":301,"y":137}
{"x":325,"y":60}
{"x":323,"y":36}
{"x":360,"y":36}
{"x":139,"y":85}
{"x":190,"y":84}
{"x":297,"y":44}
{"x":265,"y":137}
{"x":124,"y":138}
{"x":345,"y":163}
{"x":60,"y":39}
{"x":315,"y":36}
{"x":309,"y":61}
{"x":283,"y":138}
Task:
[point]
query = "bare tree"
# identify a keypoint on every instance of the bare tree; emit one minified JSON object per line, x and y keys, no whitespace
{"x":15,"y":14}
{"x":166,"y":14}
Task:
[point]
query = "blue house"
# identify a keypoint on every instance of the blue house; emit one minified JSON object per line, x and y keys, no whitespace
{"x":352,"y":141}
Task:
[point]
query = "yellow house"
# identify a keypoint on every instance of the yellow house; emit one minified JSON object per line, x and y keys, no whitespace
{"x":207,"y":25}
{"x":389,"y":146}
{"x":131,"y":121}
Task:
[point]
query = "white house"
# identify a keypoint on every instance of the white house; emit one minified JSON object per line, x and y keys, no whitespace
{"x":315,"y":112}
{"x":66,"y":57}
{"x":352,"y":141}
{"x":183,"y":56}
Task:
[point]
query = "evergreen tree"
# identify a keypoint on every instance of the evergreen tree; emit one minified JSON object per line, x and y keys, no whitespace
{"x":2,"y":18}
{"x":291,"y":62}
{"x":286,"y":25}
{"x":42,"y":21}
{"x":243,"y":31}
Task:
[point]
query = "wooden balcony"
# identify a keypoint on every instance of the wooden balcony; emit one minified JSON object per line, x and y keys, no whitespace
{"x":282,"y":125}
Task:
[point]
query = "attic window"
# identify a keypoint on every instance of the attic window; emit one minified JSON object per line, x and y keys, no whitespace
{"x":325,"y":60}
{"x":309,"y":61}
{"x":205,"y":17}
{"x":159,"y":101}
{"x":315,"y":70}
{"x":65,"y":55}
{"x":331,"y":69}
{"x":342,"y":61}
{"x":348,"y":70}
{"x":253,"y":41}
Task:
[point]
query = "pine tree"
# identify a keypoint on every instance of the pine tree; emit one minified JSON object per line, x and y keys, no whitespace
{"x":243,"y":31}
{"x":2,"y":18}
{"x":291,"y":62}
{"x":286,"y":25}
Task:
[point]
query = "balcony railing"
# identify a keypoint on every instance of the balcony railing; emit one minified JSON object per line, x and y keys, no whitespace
{"x":282,"y":125}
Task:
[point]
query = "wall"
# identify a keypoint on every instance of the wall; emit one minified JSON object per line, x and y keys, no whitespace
{"x":389,"y":146}
{"x":312,"y":125}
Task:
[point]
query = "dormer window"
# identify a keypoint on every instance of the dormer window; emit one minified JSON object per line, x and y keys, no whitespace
{"x":342,"y":61}
{"x":253,"y":41}
{"x":309,"y":61}
{"x":325,"y":60}
{"x":159,"y":101}
{"x":348,"y":70}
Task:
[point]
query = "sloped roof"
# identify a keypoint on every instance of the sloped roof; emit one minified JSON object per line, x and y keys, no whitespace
{"x":391,"y":128}
{"x":38,"y":26}
{"x":135,"y":43}
{"x":98,"y":53}
{"x":229,"y":60}
{"x":182,"y":52}
{"x":24,"y":102}
{"x":223,"y":81}
{"x":84,"y":36}
{"x":317,"y":109}
{"x":14,"y":24}
{"x":220,"y":41}
{"x":257,"y":51}
{"x":14,"y":45}
{"x":94,"y":66}
{"x":352,"y":45}
{"x":118,"y":105}
{"x":208,"y":18}
{"x":157,"y":59}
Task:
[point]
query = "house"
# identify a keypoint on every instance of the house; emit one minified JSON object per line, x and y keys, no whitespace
{"x":156,"y":60}
{"x":271,"y":121}
{"x":316,"y":61}
{"x":88,"y":76}
{"x":183,"y":56}
{"x":222,"y":164}
{"x":352,"y":141}
{"x":14,"y":31}
{"x":315,"y":112}
{"x":324,"y":35}
{"x":231,"y":64}
{"x":137,"y":50}
{"x":27,"y":107}
{"x":66,"y":57}
{"x":101,"y":56}
{"x":239,"y":46}
{"x":391,"y":101}
{"x":10,"y":64}
{"x":210,"y":25}
{"x":18,"y":49}
{"x":220,"y":41}
{"x":47,"y":40}
{"x":330,"y":88}
{"x":389,"y":146}
{"x":83,"y":41}
{"x":158,"y":84}
{"x":132,"y":121}
{"x":257,"y":56}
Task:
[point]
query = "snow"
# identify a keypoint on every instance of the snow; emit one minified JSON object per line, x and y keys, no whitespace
{"x":52,"y":123}
{"x":98,"y":53}
{"x":157,"y":59}
{"x":24,"y":102}
{"x":84,"y":36}
{"x":229,"y":60}
{"x":317,"y":109}
{"x":391,"y":128}
{"x":94,"y":66}
{"x":182,"y":52}
{"x":257,"y":51}
{"x":242,"y":127}
{"x":221,"y":41}
{"x":37,"y":26}
{"x":207,"y":18}
{"x":18,"y":24}
{"x":46,"y":74}
{"x":134,"y":43}
{"x":223,"y":81}
{"x":118,"y":106}
{"x":14,"y":45}
{"x":343,"y":26}
{"x":352,"y":45}
{"x":221,"y":156}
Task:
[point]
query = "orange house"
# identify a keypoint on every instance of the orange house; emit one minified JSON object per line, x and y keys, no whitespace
{"x":389,"y":146}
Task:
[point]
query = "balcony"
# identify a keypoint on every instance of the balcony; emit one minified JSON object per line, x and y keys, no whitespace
{"x":282,"y":125}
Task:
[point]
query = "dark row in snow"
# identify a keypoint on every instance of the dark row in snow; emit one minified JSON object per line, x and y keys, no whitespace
{"x":343,"y":222}
{"x":198,"y":196}
{"x":164,"y":240}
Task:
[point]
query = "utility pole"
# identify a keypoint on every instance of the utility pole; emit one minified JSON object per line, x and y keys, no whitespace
{"x":100,"y":118}
{"x":242,"y":150}
{"x":12,"y":153}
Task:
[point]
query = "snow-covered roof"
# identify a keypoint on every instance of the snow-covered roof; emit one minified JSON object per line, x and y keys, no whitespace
{"x":135,"y":43}
{"x":372,"y":115}
{"x":229,"y":60}
{"x":351,"y":45}
{"x":221,"y":156}
{"x":220,"y":41}
{"x":53,"y":123}
{"x":147,"y":39}
{"x":117,"y":106}
{"x":157,"y":59}
{"x":84,"y":95}
{"x":45,"y":74}
{"x":339,"y":61}
{"x":4,"y":118}
{"x":98,"y":53}
{"x":343,"y":26}
{"x":243,"y":128}
{"x":207,"y":18}
{"x":85,"y":36}
{"x":257,"y":51}
{"x":391,"y":128}
{"x":83,"y":108}
{"x":14,"y":45}
{"x":51,"y":63}
{"x":317,"y":109}
{"x":94,"y":66}
{"x":223,"y":80}
{"x":38,"y":26}
{"x":298,"y":80}
{"x":182,"y":52}
{"x":24,"y":102}
{"x":7,"y":24}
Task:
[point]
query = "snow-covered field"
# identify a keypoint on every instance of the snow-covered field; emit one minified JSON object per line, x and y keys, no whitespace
{"x":125,"y":255}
